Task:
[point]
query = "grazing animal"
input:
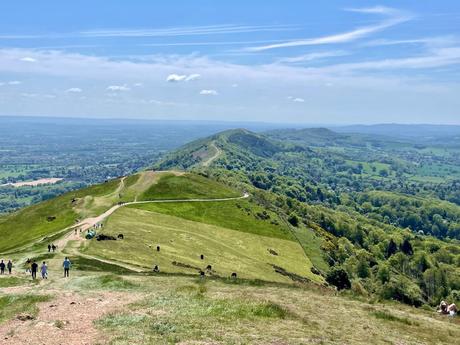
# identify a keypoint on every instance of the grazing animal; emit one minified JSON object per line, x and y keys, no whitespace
{"x":272,"y":252}
{"x":103,"y":237}
{"x":50,"y":218}
{"x":120,"y":236}
{"x":233,"y":275}
{"x":202,"y":274}
{"x":202,"y":257}
{"x":209,"y":267}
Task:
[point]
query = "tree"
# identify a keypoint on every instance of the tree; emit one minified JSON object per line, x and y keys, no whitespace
{"x":362,"y":268}
{"x":293,"y":220}
{"x":339,"y":278}
{"x":406,"y":247}
{"x":392,"y":248}
{"x":383,"y":273}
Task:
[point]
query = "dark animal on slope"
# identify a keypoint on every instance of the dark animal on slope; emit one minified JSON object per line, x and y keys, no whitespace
{"x":103,"y":237}
{"x":50,"y":218}
{"x":120,"y":236}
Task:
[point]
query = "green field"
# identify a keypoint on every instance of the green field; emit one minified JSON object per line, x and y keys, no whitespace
{"x":183,"y":241}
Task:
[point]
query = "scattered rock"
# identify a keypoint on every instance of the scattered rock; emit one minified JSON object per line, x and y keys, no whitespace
{"x":25,"y":317}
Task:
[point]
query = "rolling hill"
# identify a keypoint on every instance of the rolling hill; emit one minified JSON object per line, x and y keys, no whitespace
{"x":223,"y":205}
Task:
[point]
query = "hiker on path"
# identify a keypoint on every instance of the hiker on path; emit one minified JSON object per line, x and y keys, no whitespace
{"x":66,"y":264}
{"x":53,"y":247}
{"x":34,"y":269}
{"x":28,"y":264}
{"x":10,"y":266}
{"x":49,"y":248}
{"x":2,"y":267}
{"x":44,"y":270}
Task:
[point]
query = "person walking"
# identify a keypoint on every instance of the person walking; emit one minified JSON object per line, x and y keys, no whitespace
{"x":2,"y":267}
{"x":53,"y":247}
{"x":44,"y":270}
{"x":9,"y":265}
{"x":28,"y":264}
{"x":49,"y":248}
{"x":34,"y":269}
{"x":66,"y":264}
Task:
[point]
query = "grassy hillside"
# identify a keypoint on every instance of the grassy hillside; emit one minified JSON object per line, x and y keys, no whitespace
{"x":187,"y":186}
{"x":182,"y":241}
{"x":32,"y":223}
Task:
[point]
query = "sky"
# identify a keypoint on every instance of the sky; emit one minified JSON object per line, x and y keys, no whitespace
{"x":315,"y":62}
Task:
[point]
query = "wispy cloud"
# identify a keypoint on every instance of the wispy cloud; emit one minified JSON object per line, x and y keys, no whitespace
{"x":174,"y":78}
{"x":394,"y":17}
{"x":185,"y":31}
{"x":312,"y":56}
{"x":28,"y":59}
{"x":74,"y":90}
{"x":209,"y":92}
{"x":296,"y":99}
{"x":118,"y":88}
{"x":435,"y":58}
{"x":14,"y":82}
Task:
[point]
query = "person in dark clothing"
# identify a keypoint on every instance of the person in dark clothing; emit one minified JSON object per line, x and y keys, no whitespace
{"x":49,"y":248}
{"x":34,"y":269}
{"x":2,"y":267}
{"x":53,"y":247}
{"x":10,"y":266}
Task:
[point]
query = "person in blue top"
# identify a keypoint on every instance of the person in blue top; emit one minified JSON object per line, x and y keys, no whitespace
{"x":66,"y":264}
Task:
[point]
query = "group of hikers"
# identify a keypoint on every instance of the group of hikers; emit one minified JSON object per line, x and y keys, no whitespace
{"x":32,"y":268}
{"x":51,"y":247}
{"x":8,"y":265}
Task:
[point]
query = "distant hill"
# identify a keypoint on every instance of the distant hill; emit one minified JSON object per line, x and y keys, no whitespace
{"x":230,"y":143}
{"x":420,"y":132}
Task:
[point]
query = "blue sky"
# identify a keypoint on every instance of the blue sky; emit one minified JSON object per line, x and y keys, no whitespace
{"x":275,"y":61}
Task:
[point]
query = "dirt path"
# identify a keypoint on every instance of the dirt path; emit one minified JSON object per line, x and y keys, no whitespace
{"x":67,"y":319}
{"x":89,"y":223}
{"x":211,"y":159}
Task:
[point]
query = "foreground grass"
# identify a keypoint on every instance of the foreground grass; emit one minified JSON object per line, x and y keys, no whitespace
{"x":188,"y":311}
{"x":8,"y":281}
{"x":13,"y":305}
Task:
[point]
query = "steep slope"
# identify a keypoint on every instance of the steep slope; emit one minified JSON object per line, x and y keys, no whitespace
{"x":64,"y":212}
{"x":208,"y":151}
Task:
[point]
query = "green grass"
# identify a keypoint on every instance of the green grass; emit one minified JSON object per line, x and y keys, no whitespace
{"x":188,"y":186}
{"x":385,"y":315}
{"x":84,"y":264}
{"x":183,"y":241}
{"x":30,"y":223}
{"x":102,"y":282}
{"x":185,"y":314}
{"x":13,"y":305}
{"x":8,"y":281}
{"x":241,"y":215}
